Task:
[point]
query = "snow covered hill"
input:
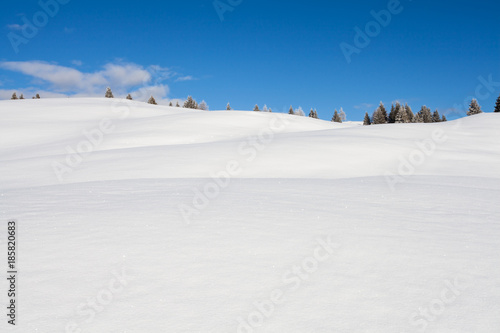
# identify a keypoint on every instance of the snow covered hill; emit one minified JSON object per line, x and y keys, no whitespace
{"x":142,"y":218}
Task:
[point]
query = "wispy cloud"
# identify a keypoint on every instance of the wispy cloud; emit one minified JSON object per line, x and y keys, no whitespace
{"x":364,"y":106}
{"x":77,"y":62}
{"x":185,"y":78}
{"x":14,"y":27}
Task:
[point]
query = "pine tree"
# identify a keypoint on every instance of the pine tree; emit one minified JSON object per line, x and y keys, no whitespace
{"x":190,"y":103}
{"x":367,"y":121}
{"x":444,"y":118}
{"x":418,"y":118}
{"x":315,"y":114}
{"x":109,"y":93}
{"x":203,"y":106}
{"x":270,"y":110}
{"x":299,"y":112}
{"x":152,"y":100}
{"x":392,"y":115}
{"x":14,"y":96}
{"x":426,"y":114}
{"x":497,"y":106}
{"x":401,"y":116}
{"x":177,"y":105}
{"x":291,"y":110}
{"x":409,"y":112}
{"x":129,"y":97}
{"x":256,"y":108}
{"x":170,"y":104}
{"x":311,"y":114}
{"x":342,"y":115}
{"x":37,"y":96}
{"x":379,"y":117}
{"x":384,"y":111}
{"x":21,"y":97}
{"x":474,"y":108}
{"x":228,"y":107}
{"x":436,"y":118}
{"x":336,"y":117}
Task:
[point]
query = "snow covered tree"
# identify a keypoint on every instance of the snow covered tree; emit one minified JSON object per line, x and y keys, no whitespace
{"x":336,"y":117}
{"x":311,"y":114}
{"x":436,"y":118}
{"x":256,"y":108}
{"x":21,"y":97}
{"x":426,"y":114}
{"x":291,"y":110}
{"x":444,"y":118}
{"x":300,"y":112}
{"x":14,"y":96}
{"x":152,"y":100}
{"x":129,"y":97}
{"x":228,"y":107}
{"x":190,"y":103}
{"x":497,"y":106}
{"x":409,"y":112}
{"x":170,"y":104}
{"x":384,"y":112}
{"x":401,"y":116}
{"x":37,"y":96}
{"x":342,"y":115}
{"x":379,"y":117}
{"x":270,"y":110}
{"x":474,"y":108}
{"x":264,"y":109}
{"x":315,"y":114}
{"x":394,"y":112}
{"x":367,"y":121}
{"x":203,"y":106}
{"x":177,"y":105}
{"x":418,"y":118}
{"x":109,"y":93}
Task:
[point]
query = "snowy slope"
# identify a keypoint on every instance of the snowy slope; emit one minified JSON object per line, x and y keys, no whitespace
{"x":192,"y":221}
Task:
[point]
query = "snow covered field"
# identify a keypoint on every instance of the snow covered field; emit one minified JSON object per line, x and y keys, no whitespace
{"x":141,"y":218}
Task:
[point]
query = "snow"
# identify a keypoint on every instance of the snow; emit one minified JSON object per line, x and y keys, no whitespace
{"x":191,"y":221}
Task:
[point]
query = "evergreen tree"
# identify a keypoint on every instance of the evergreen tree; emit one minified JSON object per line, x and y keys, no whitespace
{"x":342,"y":115}
{"x":497,"y":106}
{"x":170,"y":104}
{"x":409,"y":112}
{"x":37,"y":96}
{"x":379,"y":117}
{"x":152,"y":100}
{"x":367,"y":121}
{"x":336,"y":117}
{"x":436,"y":118}
{"x":384,"y":112}
{"x":444,"y":118}
{"x":190,"y":103}
{"x":264,"y":109}
{"x":474,"y":108}
{"x":291,"y":110}
{"x":401,"y":116}
{"x":311,"y":114}
{"x":426,"y":114}
{"x":21,"y":97}
{"x":256,"y":108}
{"x":299,"y":112}
{"x":270,"y":110}
{"x":315,"y":114}
{"x":418,"y":118}
{"x":108,"y":94}
{"x":129,"y":97}
{"x":228,"y":107}
{"x":177,"y":105}
{"x":203,"y":106}
{"x":14,"y":96}
{"x":394,"y":112}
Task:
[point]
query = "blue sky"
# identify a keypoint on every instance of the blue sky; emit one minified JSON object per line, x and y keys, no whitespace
{"x":279,"y":53}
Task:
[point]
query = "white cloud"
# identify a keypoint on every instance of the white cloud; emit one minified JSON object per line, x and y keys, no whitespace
{"x":14,"y":27}
{"x":123,"y":78}
{"x":185,"y":78}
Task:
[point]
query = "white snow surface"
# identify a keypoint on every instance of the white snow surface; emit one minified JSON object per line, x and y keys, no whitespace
{"x":385,"y":228}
